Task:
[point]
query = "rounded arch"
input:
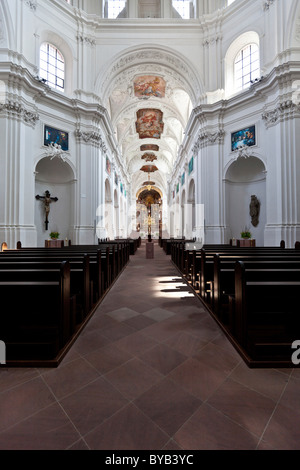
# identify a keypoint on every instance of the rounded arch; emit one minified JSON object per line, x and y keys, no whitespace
{"x":192,"y":204}
{"x":183,"y":213}
{"x":249,"y":37}
{"x":108,"y":212}
{"x":116,"y":213}
{"x":9,"y":36}
{"x":57,"y":177}
{"x":134,"y":57}
{"x":245,"y":177}
{"x":143,"y":189}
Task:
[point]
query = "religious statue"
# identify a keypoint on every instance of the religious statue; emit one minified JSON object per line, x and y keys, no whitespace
{"x":254,"y":210}
{"x":47,"y":199}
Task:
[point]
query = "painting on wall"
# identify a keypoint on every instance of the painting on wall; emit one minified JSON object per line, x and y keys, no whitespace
{"x":56,"y":136}
{"x":108,"y":166}
{"x":149,"y":157}
{"x":149,"y":148}
{"x":191,"y":165}
{"x":244,"y":137}
{"x":149,"y":123}
{"x":148,"y":86}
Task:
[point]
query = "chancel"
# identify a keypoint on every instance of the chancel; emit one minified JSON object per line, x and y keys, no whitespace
{"x":160,"y":139}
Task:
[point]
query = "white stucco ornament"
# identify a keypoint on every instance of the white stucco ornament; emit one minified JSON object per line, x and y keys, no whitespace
{"x":55,"y":150}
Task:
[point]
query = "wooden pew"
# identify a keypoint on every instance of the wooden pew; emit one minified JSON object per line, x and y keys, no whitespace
{"x":37,"y":323}
{"x":79,"y":275}
{"x":203,"y":264}
{"x":266,"y":317}
{"x":91,"y":271}
{"x":261,"y":267}
{"x":193,"y":257}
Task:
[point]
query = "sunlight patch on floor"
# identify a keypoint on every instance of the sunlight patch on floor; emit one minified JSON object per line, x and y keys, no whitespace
{"x":171,"y":287}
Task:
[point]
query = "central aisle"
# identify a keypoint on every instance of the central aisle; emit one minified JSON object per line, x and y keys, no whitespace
{"x":151,"y":371}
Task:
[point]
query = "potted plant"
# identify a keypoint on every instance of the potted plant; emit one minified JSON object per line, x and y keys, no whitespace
{"x":54,"y":235}
{"x":246,"y":233}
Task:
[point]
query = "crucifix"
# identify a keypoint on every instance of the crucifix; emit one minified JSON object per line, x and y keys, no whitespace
{"x":47,"y":199}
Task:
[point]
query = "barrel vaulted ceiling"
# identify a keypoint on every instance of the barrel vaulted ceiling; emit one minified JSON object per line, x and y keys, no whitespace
{"x":149,"y":94}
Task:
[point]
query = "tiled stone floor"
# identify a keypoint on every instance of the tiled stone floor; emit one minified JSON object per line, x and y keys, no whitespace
{"x":151,"y":371}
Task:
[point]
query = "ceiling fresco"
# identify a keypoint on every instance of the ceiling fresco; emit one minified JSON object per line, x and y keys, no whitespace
{"x":149,"y":157}
{"x":153,"y":133}
{"x":149,"y":123}
{"x":149,"y":168}
{"x":149,"y":148}
{"x":149,"y":85}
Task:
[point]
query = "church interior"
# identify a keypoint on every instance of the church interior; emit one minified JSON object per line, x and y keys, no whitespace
{"x":149,"y":225}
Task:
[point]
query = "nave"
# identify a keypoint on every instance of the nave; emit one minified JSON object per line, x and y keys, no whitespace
{"x":150,"y":371}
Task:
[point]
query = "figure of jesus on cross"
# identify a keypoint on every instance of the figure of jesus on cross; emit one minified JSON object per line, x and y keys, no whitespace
{"x":47,"y":199}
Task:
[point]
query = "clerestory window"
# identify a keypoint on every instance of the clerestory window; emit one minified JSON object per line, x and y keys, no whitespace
{"x":52,"y":66}
{"x":246,"y":67}
{"x":183,"y":8}
{"x":114,"y":8}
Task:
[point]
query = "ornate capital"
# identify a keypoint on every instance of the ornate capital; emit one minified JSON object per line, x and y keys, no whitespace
{"x":282,"y":112}
{"x":91,"y":137}
{"x":86,"y":40}
{"x":267,"y":4}
{"x":32,"y":4}
{"x":15,"y":109}
{"x":208,"y":138}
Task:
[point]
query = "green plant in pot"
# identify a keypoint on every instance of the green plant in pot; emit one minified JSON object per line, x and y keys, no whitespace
{"x":246,"y":233}
{"x":54,"y":235}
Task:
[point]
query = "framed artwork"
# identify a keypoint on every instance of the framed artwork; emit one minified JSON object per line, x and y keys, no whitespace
{"x":191,"y":165}
{"x":57,"y":137}
{"x":243,"y":137}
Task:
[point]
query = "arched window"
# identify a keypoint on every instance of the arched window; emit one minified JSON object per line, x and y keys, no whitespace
{"x":246,"y":67}
{"x":242,"y":63}
{"x":52,"y":66}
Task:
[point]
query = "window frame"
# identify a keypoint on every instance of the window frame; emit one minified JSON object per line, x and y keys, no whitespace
{"x":52,"y":65}
{"x":250,"y":75}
